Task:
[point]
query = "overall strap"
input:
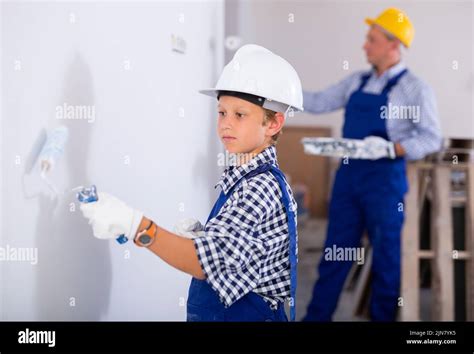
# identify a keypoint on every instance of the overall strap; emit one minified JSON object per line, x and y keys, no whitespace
{"x":363,"y":81}
{"x":217,"y":206}
{"x":292,"y":233}
{"x":393,"y":81}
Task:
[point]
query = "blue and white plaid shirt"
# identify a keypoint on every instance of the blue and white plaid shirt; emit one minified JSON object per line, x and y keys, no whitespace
{"x":417,"y":137}
{"x":246,"y":246}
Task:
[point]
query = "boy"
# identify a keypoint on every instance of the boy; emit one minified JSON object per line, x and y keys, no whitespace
{"x":243,"y":262}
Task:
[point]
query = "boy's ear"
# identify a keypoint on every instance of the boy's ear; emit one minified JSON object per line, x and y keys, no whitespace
{"x":276,"y":124}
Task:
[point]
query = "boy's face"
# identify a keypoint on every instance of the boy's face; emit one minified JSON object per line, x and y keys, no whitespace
{"x":240,"y":126}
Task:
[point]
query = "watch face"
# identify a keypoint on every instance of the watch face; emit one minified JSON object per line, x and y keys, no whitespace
{"x":144,"y":239}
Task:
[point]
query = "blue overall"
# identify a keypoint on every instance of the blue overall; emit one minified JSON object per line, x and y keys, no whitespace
{"x":367,"y":195}
{"x":203,"y":302}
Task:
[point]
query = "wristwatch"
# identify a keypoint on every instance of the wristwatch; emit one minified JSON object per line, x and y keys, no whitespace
{"x":146,"y":237}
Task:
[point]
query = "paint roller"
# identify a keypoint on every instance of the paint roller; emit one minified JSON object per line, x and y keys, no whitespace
{"x":52,"y":150}
{"x":53,"y":146}
{"x":44,"y":156}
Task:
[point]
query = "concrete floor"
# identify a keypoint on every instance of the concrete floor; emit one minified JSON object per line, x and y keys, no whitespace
{"x":312,"y":234}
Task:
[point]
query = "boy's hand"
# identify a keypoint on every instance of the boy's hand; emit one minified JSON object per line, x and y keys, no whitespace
{"x":110,"y":217}
{"x":189,"y":228}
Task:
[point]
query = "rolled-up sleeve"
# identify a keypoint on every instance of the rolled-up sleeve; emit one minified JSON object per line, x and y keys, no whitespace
{"x":425,"y":137}
{"x":231,"y":253}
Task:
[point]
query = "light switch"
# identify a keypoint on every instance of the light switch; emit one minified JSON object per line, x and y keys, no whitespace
{"x":178,"y":44}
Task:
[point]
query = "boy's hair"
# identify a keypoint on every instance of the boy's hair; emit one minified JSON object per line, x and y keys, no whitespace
{"x":268,"y":116}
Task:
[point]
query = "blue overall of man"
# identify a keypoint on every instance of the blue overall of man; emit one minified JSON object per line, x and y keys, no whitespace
{"x":368,"y":194}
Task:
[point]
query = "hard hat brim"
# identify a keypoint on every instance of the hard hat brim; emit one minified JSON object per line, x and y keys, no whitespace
{"x":371,"y":21}
{"x":209,"y":92}
{"x":213,"y":93}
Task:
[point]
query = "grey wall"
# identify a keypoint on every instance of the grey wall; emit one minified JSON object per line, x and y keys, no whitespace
{"x":152,"y":144}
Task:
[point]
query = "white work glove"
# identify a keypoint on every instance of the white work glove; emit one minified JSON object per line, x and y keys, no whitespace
{"x":189,"y":228}
{"x":110,"y":217}
{"x":375,"y":147}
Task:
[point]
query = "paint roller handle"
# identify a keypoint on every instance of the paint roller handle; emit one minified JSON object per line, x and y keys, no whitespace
{"x":89,"y":195}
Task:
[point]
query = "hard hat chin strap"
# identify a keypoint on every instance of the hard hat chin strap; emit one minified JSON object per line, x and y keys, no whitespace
{"x":288,"y":110}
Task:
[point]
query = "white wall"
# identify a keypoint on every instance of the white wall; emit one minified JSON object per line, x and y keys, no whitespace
{"x":324,"y":34}
{"x":78,"y":53}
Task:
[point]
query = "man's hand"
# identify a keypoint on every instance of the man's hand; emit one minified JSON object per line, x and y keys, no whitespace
{"x":110,"y":217}
{"x":399,"y":150}
{"x":376,"y":148}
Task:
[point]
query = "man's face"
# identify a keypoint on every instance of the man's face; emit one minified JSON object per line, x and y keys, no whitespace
{"x":240,"y":125}
{"x":377,"y":46}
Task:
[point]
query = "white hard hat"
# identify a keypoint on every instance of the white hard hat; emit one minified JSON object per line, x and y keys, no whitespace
{"x":257,"y":71}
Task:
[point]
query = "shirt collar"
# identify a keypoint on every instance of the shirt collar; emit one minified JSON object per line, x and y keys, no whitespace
{"x":233,"y":174}
{"x":391,"y":72}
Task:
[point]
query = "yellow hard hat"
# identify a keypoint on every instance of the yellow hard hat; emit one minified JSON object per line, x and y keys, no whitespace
{"x":395,"y":22}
